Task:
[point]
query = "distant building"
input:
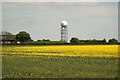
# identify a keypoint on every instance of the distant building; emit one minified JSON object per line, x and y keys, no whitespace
{"x":6,"y":37}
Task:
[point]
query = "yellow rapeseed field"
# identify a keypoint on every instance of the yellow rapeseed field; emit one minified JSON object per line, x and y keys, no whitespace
{"x":82,"y":51}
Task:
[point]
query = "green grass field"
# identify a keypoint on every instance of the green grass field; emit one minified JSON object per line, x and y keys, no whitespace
{"x":45,"y":66}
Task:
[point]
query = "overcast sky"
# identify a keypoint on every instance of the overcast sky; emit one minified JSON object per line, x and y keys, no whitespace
{"x":86,"y":20}
{"x":60,"y":0}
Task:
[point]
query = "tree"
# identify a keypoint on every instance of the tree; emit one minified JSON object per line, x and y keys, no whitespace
{"x":94,"y":41}
{"x":74,"y":40}
{"x":104,"y":40}
{"x":46,"y":39}
{"x":23,"y":36}
{"x":113,"y":41}
{"x":39,"y":40}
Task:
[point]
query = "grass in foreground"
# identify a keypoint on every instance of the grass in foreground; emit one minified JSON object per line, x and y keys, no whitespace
{"x":31,"y":62}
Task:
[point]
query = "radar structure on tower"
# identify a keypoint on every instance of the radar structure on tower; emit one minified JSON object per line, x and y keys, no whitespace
{"x":64,"y":31}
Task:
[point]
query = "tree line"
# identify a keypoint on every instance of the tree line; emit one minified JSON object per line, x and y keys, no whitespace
{"x":24,"y":38}
{"x":75,"y":40}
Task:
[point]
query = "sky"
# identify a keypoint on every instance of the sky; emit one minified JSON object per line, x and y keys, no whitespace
{"x":86,"y":20}
{"x":59,"y":0}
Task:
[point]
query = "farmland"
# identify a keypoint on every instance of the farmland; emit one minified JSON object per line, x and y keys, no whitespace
{"x":95,"y":61}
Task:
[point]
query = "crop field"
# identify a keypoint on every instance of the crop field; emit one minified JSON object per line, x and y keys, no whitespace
{"x":86,"y":61}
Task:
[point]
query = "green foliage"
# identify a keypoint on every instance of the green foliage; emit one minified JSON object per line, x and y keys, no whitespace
{"x":74,"y":40}
{"x":23,"y":37}
{"x":39,"y":40}
{"x":44,"y":43}
{"x":46,"y":40}
{"x":104,"y":40}
{"x":87,"y":42}
{"x":113,"y":41}
{"x":94,"y":41}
